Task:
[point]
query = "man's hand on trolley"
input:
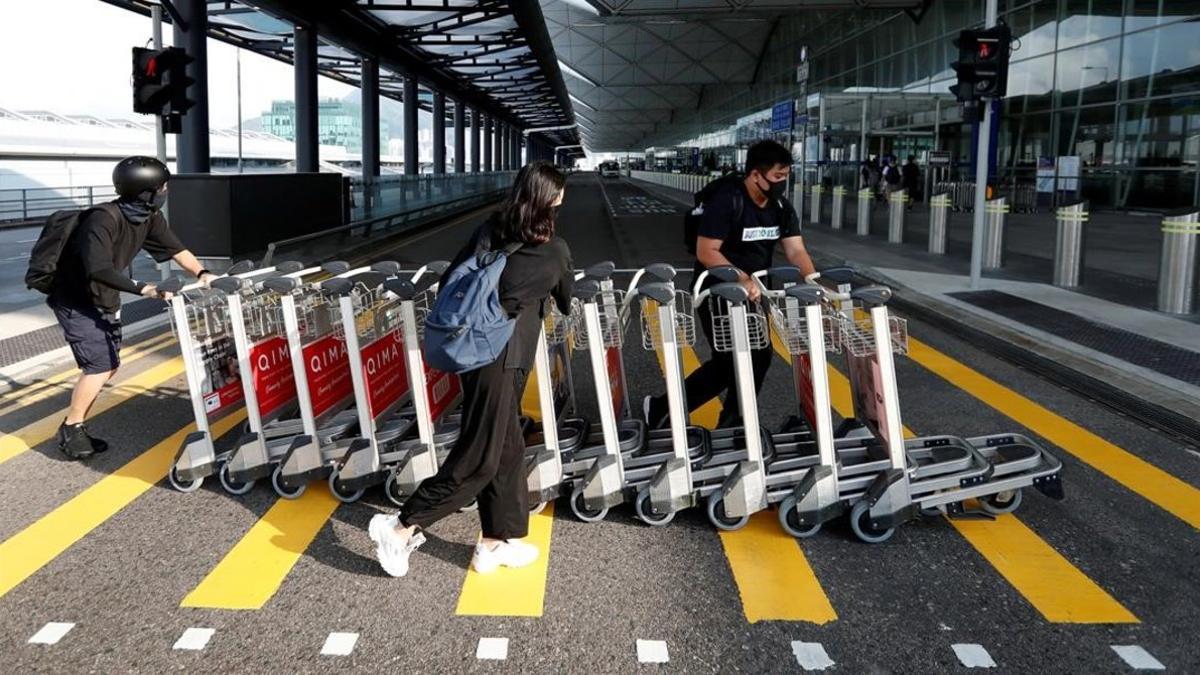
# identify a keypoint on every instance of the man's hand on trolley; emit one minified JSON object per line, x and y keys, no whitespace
{"x":151,"y":291}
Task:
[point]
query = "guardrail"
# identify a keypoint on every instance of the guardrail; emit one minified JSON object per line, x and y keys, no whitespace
{"x":27,"y":205}
{"x":688,"y":182}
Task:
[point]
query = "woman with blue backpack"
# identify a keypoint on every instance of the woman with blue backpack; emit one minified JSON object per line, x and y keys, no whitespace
{"x":484,"y":326}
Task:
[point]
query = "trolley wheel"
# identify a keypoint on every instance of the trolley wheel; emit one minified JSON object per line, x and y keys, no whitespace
{"x":1001,"y":502}
{"x":933,"y":511}
{"x":789,"y":520}
{"x":537,"y":508}
{"x":581,"y":510}
{"x":642,"y":508}
{"x":860,"y":522}
{"x":285,"y":492}
{"x":232,"y":486}
{"x":344,"y":496}
{"x":392,"y":489}
{"x":181,"y":484}
{"x":718,"y":517}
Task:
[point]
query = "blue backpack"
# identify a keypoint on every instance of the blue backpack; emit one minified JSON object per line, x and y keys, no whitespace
{"x":467,"y":328}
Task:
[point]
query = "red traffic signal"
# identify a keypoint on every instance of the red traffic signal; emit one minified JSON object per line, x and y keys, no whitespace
{"x":982,"y":64}
{"x":160,"y":81}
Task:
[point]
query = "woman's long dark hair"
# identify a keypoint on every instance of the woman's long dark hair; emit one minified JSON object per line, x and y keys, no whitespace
{"x":527,"y":214}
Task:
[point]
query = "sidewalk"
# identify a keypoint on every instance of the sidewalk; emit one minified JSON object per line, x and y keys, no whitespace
{"x":1105,"y":341}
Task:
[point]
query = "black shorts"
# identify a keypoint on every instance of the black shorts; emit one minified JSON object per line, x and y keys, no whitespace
{"x":94,"y":337}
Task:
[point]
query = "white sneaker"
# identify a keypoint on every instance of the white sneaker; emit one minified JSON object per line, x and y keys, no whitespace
{"x":391,"y":549}
{"x":511,"y":553}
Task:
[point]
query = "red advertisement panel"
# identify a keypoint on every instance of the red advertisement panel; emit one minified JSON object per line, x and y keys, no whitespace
{"x":616,"y":380}
{"x":221,"y":385}
{"x":327,"y":371}
{"x":442,"y":388}
{"x":802,"y":365}
{"x":271,"y":375}
{"x":384,"y":371}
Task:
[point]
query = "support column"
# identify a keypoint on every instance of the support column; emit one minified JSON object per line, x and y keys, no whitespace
{"x":439,"y":132}
{"x":497,"y":153}
{"x":305,"y":70}
{"x":460,"y":138}
{"x":487,"y":142}
{"x":476,"y":127}
{"x":370,"y":129}
{"x":411,"y":160}
{"x":191,"y":150}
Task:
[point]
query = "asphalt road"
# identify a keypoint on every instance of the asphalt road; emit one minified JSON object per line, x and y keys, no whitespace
{"x":108,"y":547}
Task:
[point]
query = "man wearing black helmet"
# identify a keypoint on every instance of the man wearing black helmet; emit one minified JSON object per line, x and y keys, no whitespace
{"x":86,"y":297}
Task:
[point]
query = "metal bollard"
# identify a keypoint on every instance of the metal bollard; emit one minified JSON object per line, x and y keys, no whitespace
{"x":798,"y":200}
{"x":939,"y":211}
{"x":896,"y":204}
{"x":1068,"y":245}
{"x":865,"y":198}
{"x":837,"y":207}
{"x":815,"y":216}
{"x":993,"y":233}
{"x":1177,"y":267}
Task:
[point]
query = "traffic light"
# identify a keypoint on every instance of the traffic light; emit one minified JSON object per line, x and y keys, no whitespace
{"x":982,"y":64}
{"x":160,"y":84}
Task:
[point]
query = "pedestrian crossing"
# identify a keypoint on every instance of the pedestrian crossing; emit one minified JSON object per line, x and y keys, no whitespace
{"x":770,"y":572}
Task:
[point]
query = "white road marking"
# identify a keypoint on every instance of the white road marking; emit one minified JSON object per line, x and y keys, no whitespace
{"x":492,"y":649}
{"x":973,"y":656}
{"x":811,"y":655}
{"x":652,"y":651}
{"x":1137,"y":658}
{"x":194,"y":639}
{"x":339,"y":644}
{"x":51,"y":633}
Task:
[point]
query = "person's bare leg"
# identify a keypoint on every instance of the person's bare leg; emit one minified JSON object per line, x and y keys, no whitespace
{"x":86,"y":391}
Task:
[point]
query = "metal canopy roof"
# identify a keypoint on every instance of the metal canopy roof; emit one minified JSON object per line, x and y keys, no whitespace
{"x":637,"y":68}
{"x":493,"y":55}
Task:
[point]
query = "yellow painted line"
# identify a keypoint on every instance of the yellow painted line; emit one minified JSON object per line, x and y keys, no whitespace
{"x":773,"y":576}
{"x":144,"y":383}
{"x":250,"y":574}
{"x":34,"y":547}
{"x":41,"y":390}
{"x":515,"y":592}
{"x":1057,"y":589}
{"x":1159,"y":487}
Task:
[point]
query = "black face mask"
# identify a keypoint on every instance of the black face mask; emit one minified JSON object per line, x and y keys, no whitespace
{"x":774,"y":188}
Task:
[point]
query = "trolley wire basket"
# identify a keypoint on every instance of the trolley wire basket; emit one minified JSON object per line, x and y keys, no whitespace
{"x":613,"y":318}
{"x":685,"y":321}
{"x":262,"y":316}
{"x":858,"y":335}
{"x":557,"y":325}
{"x":791,"y":325}
{"x":316,"y":313}
{"x":722,"y":325}
{"x":207,"y":315}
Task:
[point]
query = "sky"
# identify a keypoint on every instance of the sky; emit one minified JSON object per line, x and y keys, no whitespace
{"x":76,"y":56}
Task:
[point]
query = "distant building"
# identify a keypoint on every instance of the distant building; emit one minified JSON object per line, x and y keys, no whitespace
{"x":338,"y":123}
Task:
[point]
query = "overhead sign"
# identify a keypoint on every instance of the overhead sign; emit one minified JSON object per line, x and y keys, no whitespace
{"x":781,"y":116}
{"x":802,"y":73}
{"x":939,"y":158}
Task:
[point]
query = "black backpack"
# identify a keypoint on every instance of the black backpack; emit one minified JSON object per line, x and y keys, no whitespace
{"x":691,"y":221}
{"x":43,"y":259}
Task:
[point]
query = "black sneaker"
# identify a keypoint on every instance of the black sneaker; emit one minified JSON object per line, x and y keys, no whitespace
{"x":99,"y":445}
{"x":73,"y":441}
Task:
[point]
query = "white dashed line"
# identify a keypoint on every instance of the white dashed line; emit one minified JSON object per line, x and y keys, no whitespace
{"x":194,"y":639}
{"x":1137,"y":658}
{"x":492,"y":649}
{"x":652,"y":651}
{"x":51,"y":633}
{"x":339,"y":644}
{"x":973,"y":656}
{"x":811,"y":655}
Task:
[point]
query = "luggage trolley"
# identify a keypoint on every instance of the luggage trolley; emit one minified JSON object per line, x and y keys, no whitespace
{"x":914,"y":483}
{"x":200,"y":319}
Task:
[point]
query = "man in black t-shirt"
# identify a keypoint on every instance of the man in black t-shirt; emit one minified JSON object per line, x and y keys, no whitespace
{"x":740,"y":226}
{"x":86,"y":297}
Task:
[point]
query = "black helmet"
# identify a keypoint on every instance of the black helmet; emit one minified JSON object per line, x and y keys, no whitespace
{"x":134,"y":175}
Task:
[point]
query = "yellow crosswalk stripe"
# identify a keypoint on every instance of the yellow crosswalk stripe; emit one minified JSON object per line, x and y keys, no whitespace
{"x":61,"y":382}
{"x":1057,"y":589}
{"x":34,"y":547}
{"x":253,"y":570}
{"x":146,"y":382}
{"x":516,"y":592}
{"x":772,"y":574}
{"x":1159,"y":487}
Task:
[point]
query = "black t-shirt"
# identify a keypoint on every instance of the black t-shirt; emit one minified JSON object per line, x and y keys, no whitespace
{"x":748,"y":242}
{"x":100,"y":243}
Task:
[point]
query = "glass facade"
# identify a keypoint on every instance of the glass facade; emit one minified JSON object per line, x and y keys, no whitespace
{"x":1115,"y":82}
